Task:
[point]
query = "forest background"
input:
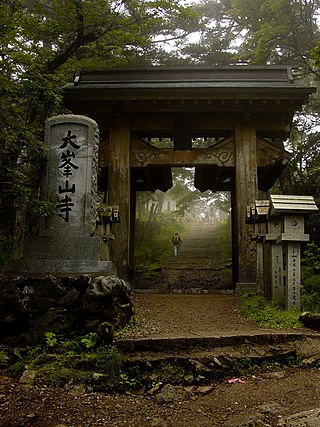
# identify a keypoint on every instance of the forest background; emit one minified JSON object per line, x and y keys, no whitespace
{"x":42,"y":43}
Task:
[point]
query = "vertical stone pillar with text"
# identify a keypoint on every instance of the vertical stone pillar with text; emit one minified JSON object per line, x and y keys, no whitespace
{"x":290,"y":212}
{"x":71,"y":178}
{"x":292,"y":237}
{"x":293,"y":275}
{"x":275,"y":289}
{"x":66,"y":243}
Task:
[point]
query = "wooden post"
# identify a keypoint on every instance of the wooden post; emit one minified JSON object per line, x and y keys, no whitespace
{"x":119,"y":193}
{"x":132,"y":226}
{"x":234,"y":242}
{"x":260,"y":224}
{"x":246,"y":184}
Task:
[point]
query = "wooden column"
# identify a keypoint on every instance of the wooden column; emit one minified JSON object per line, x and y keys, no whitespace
{"x":132,"y":227}
{"x":119,"y":193}
{"x":246,"y":188}
{"x":235,"y":245}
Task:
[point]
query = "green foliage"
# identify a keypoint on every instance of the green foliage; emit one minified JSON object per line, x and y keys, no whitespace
{"x":58,"y":376}
{"x":109,"y":360}
{"x":59,"y":362}
{"x":51,"y":339}
{"x":20,"y":359}
{"x":268,"y":314}
{"x":256,"y":32}
{"x":41,"y":45}
{"x":18,"y":363}
{"x":224,"y":238}
{"x":268,"y":21}
{"x":310,"y":301}
{"x":76,"y":345}
{"x":154,"y":246}
{"x":128,"y":382}
{"x":90,"y":340}
{"x":310,"y":278}
{"x":133,"y":325}
{"x":4,"y":358}
{"x":311,"y":256}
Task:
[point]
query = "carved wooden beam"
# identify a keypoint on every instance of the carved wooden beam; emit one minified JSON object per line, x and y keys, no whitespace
{"x":194,"y":157}
{"x":220,"y":154}
{"x":268,"y":154}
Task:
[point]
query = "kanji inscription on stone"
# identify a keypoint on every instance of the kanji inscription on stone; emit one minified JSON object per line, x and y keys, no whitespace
{"x":293,"y":275}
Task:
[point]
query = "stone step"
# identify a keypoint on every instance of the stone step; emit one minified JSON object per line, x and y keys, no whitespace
{"x":191,"y":290}
{"x":198,"y":342}
{"x":201,"y":360}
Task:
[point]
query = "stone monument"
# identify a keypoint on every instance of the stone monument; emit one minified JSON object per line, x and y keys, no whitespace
{"x":66,"y":243}
{"x":284,"y":216}
{"x":290,"y":213}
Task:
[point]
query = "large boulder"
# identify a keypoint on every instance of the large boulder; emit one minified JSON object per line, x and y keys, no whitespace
{"x":31,"y":306}
{"x":310,"y":320}
{"x":107,"y":299}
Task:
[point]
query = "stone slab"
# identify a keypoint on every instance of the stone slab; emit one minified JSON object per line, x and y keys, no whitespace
{"x":72,"y":248}
{"x":245,"y":287}
{"x":61,"y":267}
{"x":53,"y":255}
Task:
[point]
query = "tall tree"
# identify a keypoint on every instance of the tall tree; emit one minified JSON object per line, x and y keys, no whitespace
{"x":256,"y":32}
{"x":41,"y":43}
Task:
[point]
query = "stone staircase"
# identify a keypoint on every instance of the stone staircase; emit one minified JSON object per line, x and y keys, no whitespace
{"x":201,"y":267}
{"x":199,"y":360}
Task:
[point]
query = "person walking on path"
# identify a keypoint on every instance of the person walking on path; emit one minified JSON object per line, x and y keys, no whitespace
{"x":176,"y":243}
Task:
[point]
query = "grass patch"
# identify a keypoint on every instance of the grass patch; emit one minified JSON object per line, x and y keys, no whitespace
{"x":268,"y":314}
{"x":224,"y":237}
{"x":60,"y":362}
{"x":133,"y":326}
{"x":310,"y":301}
{"x":154,"y":244}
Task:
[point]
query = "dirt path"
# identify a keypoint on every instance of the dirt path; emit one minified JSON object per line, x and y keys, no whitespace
{"x":264,"y":399}
{"x":187,"y":315}
{"x":194,"y":294}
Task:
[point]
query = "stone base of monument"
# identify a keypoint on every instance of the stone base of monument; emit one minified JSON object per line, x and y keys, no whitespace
{"x":245,"y":287}
{"x":53,"y":255}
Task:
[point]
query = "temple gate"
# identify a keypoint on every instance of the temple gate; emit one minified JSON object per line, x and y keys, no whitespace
{"x":247,"y":109}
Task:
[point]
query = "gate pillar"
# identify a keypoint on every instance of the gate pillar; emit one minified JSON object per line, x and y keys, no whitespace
{"x":119,"y":193}
{"x":246,"y":189}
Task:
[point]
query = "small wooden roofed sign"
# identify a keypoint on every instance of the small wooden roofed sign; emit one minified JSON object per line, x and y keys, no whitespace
{"x":292,"y":204}
{"x":185,"y":103}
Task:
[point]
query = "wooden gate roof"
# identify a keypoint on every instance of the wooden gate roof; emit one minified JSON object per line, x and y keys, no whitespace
{"x":268,"y":91}
{"x":216,"y":82}
{"x":206,"y":99}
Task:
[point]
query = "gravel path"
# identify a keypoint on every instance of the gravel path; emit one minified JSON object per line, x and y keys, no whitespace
{"x":177,"y":304}
{"x":265,"y":399}
{"x":173,"y":314}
